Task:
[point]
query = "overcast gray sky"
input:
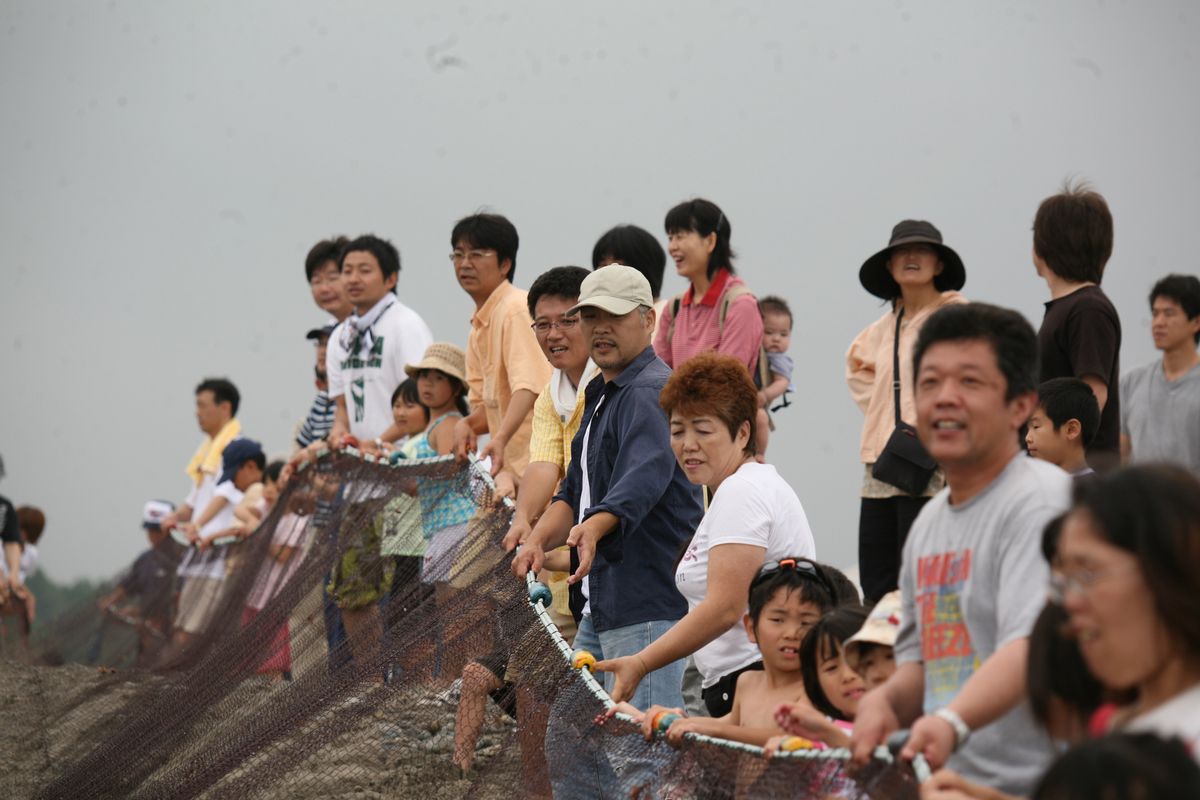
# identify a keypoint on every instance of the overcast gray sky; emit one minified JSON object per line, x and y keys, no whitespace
{"x":164,"y":167}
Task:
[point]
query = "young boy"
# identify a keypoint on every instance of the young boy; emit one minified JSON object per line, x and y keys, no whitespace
{"x":238,"y":490}
{"x":777,"y":338}
{"x":1062,"y":425}
{"x":784,"y":604}
{"x":151,"y":580}
{"x":869,"y":652}
{"x":242,"y":464}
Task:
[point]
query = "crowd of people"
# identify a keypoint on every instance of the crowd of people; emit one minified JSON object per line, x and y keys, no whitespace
{"x":1029,"y":536}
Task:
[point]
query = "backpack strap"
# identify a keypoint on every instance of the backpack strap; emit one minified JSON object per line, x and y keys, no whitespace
{"x":727,"y":298}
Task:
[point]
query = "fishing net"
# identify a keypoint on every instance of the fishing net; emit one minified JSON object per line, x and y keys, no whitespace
{"x":441,"y":642}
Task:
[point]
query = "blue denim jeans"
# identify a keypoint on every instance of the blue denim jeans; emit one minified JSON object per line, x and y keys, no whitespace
{"x":593,"y":771}
{"x":663,"y":686}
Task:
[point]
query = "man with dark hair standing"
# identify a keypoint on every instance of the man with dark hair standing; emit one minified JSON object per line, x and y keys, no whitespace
{"x":1080,"y":335}
{"x":217,"y":401}
{"x":972,"y":577}
{"x":625,"y":506}
{"x":368,"y":350}
{"x":505,"y":366}
{"x":323,"y":268}
{"x":1160,"y":402}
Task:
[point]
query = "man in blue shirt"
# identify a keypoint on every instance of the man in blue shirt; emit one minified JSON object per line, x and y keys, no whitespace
{"x":624,"y":506}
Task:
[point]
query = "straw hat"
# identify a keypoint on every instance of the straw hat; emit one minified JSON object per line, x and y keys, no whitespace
{"x":444,"y":357}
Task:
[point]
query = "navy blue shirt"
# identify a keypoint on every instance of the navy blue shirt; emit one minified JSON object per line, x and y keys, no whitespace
{"x":632,"y":474}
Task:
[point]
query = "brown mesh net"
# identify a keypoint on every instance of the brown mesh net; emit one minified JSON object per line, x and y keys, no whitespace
{"x":441,"y":642}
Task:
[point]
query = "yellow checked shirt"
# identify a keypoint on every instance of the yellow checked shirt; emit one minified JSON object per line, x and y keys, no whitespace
{"x":551,"y":442}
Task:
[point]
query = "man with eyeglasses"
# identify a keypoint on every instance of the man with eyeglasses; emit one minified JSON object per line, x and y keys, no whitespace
{"x":972,"y":576}
{"x":559,"y":408}
{"x":625,"y":505}
{"x":505,"y":366}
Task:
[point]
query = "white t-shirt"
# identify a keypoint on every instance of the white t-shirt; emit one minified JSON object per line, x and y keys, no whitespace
{"x":29,"y":562}
{"x":367,"y":380}
{"x":198,"y":499}
{"x":1179,"y":716}
{"x":211,"y":563}
{"x":752,"y":506}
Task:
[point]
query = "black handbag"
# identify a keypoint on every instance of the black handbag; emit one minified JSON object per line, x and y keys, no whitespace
{"x":904,"y":462}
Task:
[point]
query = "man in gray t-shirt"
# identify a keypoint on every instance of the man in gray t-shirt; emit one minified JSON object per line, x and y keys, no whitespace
{"x":1160,"y":402}
{"x":972,"y":577}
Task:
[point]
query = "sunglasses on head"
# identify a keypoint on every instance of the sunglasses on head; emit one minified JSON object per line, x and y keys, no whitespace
{"x":804,"y":566}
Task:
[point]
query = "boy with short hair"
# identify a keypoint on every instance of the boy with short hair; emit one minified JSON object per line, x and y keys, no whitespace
{"x":242,"y":464}
{"x":1063,"y":424}
{"x":1080,"y":335}
{"x":786,"y":599}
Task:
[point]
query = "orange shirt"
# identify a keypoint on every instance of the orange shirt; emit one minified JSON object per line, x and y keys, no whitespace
{"x":503,"y":357}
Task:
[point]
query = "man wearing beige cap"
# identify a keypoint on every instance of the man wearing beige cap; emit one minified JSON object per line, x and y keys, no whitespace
{"x":625,"y":506}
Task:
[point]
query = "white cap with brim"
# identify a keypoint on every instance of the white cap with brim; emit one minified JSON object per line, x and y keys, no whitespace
{"x":882,"y":627}
{"x":154,"y":512}
{"x":617,"y":289}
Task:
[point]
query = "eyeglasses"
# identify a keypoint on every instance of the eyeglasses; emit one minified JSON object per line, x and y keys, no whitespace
{"x":565,"y":324}
{"x":1080,"y":581}
{"x":459,"y":257}
{"x":802,"y":565}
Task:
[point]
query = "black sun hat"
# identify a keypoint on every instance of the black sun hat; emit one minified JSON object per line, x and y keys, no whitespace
{"x":874,"y":274}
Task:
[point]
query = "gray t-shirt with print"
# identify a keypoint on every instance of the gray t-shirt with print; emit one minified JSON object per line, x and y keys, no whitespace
{"x":1161,"y":417}
{"x":973,"y":580}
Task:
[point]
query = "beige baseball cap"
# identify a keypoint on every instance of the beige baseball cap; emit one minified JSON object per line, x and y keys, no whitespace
{"x":617,"y":289}
{"x":881,"y":627}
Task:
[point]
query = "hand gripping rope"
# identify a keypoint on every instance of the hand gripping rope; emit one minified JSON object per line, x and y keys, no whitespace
{"x":540,"y":598}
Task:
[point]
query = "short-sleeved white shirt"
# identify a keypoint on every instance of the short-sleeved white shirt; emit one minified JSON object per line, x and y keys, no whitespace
{"x":367,"y":380}
{"x":752,"y":506}
{"x":211,"y":563}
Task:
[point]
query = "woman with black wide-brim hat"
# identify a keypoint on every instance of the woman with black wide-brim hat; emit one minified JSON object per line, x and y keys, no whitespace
{"x":917,"y":274}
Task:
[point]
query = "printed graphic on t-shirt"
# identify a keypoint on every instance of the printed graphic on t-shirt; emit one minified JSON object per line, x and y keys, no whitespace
{"x":946,"y":647}
{"x":374,"y":358}
{"x":358,"y":393}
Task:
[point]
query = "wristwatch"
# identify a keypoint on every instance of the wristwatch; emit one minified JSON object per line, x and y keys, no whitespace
{"x":961,"y":731}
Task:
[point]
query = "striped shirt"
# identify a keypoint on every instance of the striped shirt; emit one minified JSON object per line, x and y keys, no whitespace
{"x":319,"y":421}
{"x":698,"y":328}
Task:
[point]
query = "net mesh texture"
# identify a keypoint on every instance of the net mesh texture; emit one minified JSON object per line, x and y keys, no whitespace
{"x":446,"y":664}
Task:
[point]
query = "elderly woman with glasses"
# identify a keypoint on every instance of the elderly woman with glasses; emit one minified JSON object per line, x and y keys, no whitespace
{"x":1128,"y":576}
{"x":753,"y":518}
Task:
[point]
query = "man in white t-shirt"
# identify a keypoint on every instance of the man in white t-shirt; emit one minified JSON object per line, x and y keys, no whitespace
{"x":972,"y":578}
{"x":369,"y":349}
{"x":217,"y":401}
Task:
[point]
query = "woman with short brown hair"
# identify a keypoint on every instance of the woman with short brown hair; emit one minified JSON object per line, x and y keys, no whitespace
{"x":753,"y":517}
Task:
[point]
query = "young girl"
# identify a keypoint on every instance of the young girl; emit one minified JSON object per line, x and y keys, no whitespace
{"x":833,"y":688}
{"x":403,"y":537}
{"x":410,"y":415}
{"x":446,"y":504}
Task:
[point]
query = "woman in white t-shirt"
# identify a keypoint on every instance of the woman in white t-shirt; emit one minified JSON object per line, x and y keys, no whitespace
{"x":753,"y":517}
{"x":1128,"y":575}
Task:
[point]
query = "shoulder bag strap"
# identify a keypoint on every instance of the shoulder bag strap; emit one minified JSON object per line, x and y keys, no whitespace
{"x":896,"y":366}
